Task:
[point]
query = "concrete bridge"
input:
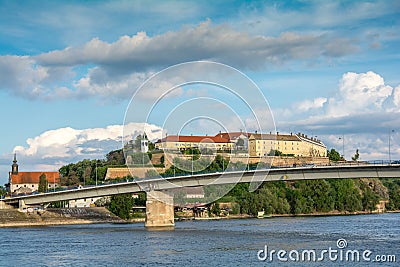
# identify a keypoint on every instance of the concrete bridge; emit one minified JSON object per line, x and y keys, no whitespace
{"x":159,"y":205}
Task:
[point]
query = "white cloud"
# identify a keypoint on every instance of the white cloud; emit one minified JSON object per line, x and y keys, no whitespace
{"x":140,"y":51}
{"x":359,"y":92}
{"x":116,"y":69}
{"x":60,"y":146}
{"x":357,"y":95}
{"x":364,"y":109}
{"x":312,"y":104}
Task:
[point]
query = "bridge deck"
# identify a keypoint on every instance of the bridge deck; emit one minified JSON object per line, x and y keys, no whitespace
{"x":284,"y":174}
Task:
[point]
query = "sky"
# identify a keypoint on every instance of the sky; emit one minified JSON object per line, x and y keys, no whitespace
{"x":77,"y":78}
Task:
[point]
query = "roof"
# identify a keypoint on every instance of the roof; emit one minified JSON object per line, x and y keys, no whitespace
{"x":277,"y":137}
{"x":194,"y":139}
{"x":34,"y":177}
{"x":232,"y":135}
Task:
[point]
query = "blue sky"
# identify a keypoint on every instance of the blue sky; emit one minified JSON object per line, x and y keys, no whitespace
{"x":68,"y":70}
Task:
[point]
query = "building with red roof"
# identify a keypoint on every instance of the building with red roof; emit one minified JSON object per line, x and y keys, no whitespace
{"x":181,"y":142}
{"x":28,"y":182}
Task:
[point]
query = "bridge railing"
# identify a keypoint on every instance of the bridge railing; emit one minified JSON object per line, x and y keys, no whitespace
{"x":247,"y":168}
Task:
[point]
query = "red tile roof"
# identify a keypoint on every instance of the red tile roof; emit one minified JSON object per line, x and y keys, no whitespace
{"x":34,"y":177}
{"x":194,"y":139}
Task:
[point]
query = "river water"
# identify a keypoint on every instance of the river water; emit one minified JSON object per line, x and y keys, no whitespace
{"x":208,"y":243}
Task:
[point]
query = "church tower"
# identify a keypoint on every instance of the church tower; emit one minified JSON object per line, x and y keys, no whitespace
{"x":144,"y":144}
{"x":14,"y":167}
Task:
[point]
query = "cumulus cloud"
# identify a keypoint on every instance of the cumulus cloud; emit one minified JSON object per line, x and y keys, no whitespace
{"x":116,"y":69}
{"x":359,"y":92}
{"x":64,"y":145}
{"x":363,"y":103}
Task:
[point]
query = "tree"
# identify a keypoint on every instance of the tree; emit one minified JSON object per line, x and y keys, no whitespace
{"x":333,"y":155}
{"x":3,"y":191}
{"x":140,"y":158}
{"x":121,"y":205}
{"x":274,"y":152}
{"x":115,"y":157}
{"x":369,"y":200}
{"x":356,"y":156}
{"x":42,"y":183}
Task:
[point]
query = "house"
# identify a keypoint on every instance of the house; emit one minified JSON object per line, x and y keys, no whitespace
{"x":28,"y":182}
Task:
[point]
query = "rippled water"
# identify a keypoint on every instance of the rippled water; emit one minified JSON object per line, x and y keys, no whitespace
{"x":199,"y":243}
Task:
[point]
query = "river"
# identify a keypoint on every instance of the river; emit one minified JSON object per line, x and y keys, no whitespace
{"x":238,"y":242}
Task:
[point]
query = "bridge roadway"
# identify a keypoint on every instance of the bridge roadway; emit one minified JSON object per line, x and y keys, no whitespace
{"x":157,"y":184}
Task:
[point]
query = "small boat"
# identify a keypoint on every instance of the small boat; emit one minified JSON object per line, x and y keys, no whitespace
{"x":262,"y":215}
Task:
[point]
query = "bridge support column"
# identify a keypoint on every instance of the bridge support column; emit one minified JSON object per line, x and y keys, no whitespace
{"x":21,"y":204}
{"x":159,"y":211}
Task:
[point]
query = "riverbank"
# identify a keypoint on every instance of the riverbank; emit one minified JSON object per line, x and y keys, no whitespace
{"x":96,"y":215}
{"x":315,"y":214}
{"x":66,"y":216}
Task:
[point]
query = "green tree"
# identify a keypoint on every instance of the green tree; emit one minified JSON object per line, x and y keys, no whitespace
{"x":356,"y":156}
{"x":121,"y":205}
{"x":333,"y":155}
{"x":347,"y":197}
{"x":215,"y":209}
{"x":369,"y":200}
{"x":115,"y":157}
{"x":140,"y":200}
{"x":42,"y":183}
{"x":3,"y":191}
{"x":140,"y":158}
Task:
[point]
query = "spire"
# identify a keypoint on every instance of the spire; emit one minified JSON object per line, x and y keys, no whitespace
{"x":14,"y":167}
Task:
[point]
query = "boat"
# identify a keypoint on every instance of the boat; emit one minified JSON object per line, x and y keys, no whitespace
{"x":262,"y":215}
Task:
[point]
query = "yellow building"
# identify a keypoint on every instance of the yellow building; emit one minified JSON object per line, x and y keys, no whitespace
{"x":260,"y":145}
{"x":181,"y":142}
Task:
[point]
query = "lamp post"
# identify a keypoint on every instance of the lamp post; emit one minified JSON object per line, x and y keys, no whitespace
{"x":96,"y":172}
{"x":342,"y":138}
{"x":390,"y":159}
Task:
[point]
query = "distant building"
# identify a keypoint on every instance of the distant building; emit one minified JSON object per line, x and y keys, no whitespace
{"x":182,"y":142}
{"x":28,"y":182}
{"x":239,"y":139}
{"x":83,"y":203}
{"x":290,"y":144}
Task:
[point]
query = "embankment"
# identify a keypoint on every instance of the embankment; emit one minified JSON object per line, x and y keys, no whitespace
{"x":14,"y":218}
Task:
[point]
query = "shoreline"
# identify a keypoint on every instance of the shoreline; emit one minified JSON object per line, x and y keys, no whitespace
{"x":51,"y":220}
{"x":316,"y":214}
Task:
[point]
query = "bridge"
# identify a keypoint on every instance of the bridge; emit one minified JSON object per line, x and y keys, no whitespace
{"x":159,"y":205}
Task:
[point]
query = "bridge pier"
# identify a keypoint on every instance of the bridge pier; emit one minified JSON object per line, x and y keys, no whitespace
{"x":21,"y":204}
{"x":159,"y":211}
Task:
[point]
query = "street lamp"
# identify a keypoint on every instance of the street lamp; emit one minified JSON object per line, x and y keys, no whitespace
{"x":342,"y":138}
{"x":390,"y":159}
